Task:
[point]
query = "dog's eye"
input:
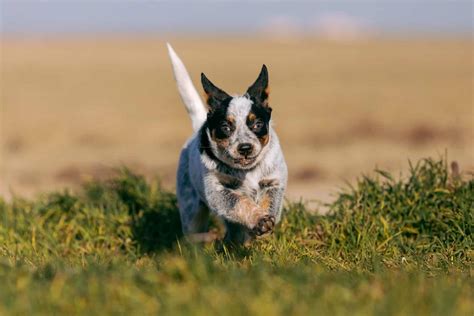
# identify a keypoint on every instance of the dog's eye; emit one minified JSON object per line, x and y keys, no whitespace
{"x":257,"y":126}
{"x":225,"y":127}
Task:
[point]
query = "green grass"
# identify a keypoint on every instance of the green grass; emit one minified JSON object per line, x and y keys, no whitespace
{"x":388,"y":247}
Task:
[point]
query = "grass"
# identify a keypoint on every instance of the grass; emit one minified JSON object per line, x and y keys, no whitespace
{"x":389,"y":246}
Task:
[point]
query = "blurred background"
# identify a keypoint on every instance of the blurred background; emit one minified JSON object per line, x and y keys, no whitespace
{"x":86,"y":86}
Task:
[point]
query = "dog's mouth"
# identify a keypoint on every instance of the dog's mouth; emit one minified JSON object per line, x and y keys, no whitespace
{"x":245,"y":161}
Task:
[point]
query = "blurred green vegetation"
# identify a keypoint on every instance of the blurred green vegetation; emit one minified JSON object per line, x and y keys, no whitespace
{"x":388,"y":246}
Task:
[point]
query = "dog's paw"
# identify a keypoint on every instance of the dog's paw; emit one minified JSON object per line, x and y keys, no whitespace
{"x":264,"y":225}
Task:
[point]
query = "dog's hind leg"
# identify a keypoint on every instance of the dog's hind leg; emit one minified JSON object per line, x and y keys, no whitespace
{"x":193,"y":212}
{"x":197,"y":227}
{"x":195,"y":219}
{"x":193,"y":215}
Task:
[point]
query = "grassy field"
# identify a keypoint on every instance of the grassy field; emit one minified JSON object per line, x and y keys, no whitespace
{"x":72,"y":110}
{"x":389,"y":246}
{"x":76,"y":108}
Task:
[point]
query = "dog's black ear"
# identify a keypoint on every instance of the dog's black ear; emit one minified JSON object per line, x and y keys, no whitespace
{"x":215,"y":96}
{"x":259,"y":90}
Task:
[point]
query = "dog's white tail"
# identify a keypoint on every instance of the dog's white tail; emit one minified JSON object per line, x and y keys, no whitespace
{"x":188,"y":92}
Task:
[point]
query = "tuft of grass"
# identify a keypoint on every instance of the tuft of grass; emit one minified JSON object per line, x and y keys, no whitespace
{"x":424,"y":220}
{"x":388,"y":246}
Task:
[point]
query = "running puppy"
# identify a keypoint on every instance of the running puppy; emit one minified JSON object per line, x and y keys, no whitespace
{"x":233,"y":165}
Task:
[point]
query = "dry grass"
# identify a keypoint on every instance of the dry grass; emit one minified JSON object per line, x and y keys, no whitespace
{"x":75,"y":108}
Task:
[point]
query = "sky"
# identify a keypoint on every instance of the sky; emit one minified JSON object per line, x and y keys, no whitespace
{"x":433,"y":17}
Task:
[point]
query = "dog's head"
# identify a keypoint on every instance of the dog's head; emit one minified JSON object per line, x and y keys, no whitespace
{"x":238,"y":127}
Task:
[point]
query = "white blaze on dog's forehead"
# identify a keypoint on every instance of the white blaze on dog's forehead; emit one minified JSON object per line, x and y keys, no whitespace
{"x":239,"y":107}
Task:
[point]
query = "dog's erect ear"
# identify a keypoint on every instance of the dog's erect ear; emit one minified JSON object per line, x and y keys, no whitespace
{"x":259,"y":90}
{"x":215,"y":96}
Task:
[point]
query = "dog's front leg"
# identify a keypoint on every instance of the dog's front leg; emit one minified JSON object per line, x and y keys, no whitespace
{"x":235,"y":207}
{"x":243,"y":215}
{"x":271,"y":200}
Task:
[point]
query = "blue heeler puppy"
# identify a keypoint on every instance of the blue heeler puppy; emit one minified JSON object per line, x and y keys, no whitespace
{"x":233,"y":165}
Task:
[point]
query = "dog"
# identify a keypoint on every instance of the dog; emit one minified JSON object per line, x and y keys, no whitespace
{"x":233,"y":165}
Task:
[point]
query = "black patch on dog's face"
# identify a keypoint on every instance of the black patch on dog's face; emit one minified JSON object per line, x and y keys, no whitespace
{"x":258,"y":120}
{"x":220,"y":125}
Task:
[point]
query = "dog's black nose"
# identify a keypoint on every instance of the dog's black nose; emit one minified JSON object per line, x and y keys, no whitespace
{"x":245,"y":149}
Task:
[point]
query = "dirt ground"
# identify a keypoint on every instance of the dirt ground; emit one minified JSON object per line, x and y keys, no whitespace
{"x":73,"y":109}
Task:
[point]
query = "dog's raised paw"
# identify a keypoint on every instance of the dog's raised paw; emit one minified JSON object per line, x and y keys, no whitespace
{"x":265,"y":225}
